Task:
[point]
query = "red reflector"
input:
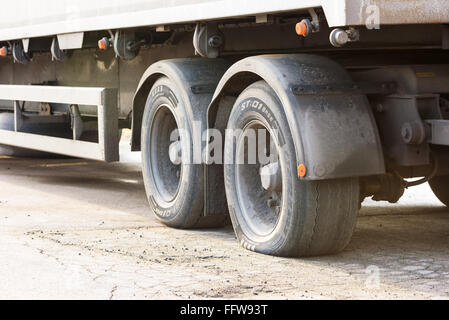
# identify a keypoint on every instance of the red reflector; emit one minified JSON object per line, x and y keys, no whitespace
{"x":103,"y":43}
{"x":302,"y":170}
{"x":304,"y":28}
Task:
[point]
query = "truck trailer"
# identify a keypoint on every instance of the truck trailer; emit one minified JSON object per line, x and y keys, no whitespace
{"x":279,"y":117}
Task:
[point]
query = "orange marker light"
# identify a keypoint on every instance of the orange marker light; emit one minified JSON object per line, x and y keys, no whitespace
{"x":3,"y":51}
{"x":304,"y":28}
{"x":302,"y":170}
{"x":103,"y":43}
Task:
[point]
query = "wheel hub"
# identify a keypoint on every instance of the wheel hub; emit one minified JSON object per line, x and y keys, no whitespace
{"x":270,"y":177}
{"x":175,"y":152}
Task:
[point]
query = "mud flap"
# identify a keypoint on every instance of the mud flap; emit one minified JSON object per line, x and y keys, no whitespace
{"x":333,"y":128}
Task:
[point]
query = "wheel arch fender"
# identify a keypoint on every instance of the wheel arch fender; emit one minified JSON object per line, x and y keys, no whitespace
{"x":196,"y":79}
{"x":333,"y":128}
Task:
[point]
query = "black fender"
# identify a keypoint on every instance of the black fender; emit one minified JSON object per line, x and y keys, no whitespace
{"x":332,"y":124}
{"x":196,"y":79}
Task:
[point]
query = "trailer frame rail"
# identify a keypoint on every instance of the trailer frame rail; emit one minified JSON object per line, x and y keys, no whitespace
{"x":105,"y":99}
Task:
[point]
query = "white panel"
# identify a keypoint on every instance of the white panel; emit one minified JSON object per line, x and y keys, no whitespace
{"x":26,"y":44}
{"x":71,"y":40}
{"x":70,"y":95}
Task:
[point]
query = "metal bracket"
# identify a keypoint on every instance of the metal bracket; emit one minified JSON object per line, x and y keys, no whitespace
{"x":77,"y":122}
{"x":56,"y":53}
{"x":125,"y":44}
{"x":26,"y":44}
{"x":315,"y":20}
{"x":79,"y":126}
{"x":208,"y":40}
{"x":70,"y":40}
{"x":378,"y":88}
{"x":438,"y":132}
{"x":368,"y":88}
{"x":323,"y":89}
{"x":18,"y":117}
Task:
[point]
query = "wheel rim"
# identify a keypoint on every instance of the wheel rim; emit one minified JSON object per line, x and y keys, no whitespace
{"x":165,"y":173}
{"x":260,"y":198}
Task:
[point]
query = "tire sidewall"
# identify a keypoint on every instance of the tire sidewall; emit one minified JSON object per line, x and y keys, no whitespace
{"x":440,"y":188}
{"x":185,"y":208}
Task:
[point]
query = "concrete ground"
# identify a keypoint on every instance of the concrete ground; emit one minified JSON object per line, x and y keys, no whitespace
{"x":81,"y":229}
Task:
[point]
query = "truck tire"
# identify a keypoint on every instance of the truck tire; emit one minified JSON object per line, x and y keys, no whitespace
{"x":175,"y":189}
{"x":440,"y":188}
{"x":56,"y":130}
{"x":287,"y":216}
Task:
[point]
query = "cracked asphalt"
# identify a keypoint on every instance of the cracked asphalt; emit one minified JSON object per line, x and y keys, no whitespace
{"x":79,"y":229}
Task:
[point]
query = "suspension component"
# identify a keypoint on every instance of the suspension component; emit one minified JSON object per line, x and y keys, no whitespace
{"x":125,"y":44}
{"x":19,"y":53}
{"x":413,"y":132}
{"x":208,"y":40}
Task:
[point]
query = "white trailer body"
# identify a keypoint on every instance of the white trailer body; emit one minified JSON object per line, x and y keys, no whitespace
{"x":23,"y":19}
